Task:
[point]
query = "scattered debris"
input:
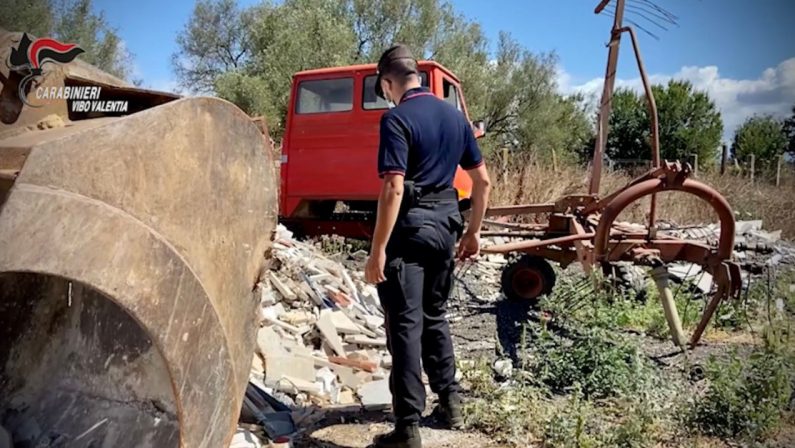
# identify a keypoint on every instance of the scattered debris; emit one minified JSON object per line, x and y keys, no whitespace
{"x":244,"y":438}
{"x":322,"y":339}
{"x":375,"y":395}
{"x":503,"y":367}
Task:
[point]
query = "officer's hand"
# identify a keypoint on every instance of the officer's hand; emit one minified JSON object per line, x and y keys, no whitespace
{"x":374,"y":269}
{"x":469,"y":246}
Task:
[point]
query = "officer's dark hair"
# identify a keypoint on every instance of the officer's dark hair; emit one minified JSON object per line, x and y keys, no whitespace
{"x":396,"y":64}
{"x":401,"y":70}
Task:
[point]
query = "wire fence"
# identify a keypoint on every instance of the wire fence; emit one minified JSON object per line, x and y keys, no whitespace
{"x":778,"y":172}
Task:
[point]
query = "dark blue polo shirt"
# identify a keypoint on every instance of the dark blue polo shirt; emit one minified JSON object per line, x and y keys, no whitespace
{"x":425,"y":139}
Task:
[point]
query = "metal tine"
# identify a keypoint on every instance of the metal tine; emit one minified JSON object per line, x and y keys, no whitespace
{"x":679,"y":287}
{"x":640,"y":5}
{"x":642,"y":28}
{"x":690,"y":297}
{"x":578,"y":296}
{"x":647,"y":18}
{"x":662,"y":10}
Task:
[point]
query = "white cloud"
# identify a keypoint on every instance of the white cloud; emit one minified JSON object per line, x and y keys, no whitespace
{"x":773,"y":92}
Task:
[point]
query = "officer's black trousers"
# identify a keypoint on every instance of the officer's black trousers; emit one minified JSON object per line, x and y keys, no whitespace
{"x":414,"y":296}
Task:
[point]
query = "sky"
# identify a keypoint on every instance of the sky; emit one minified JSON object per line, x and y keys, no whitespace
{"x":740,"y":51}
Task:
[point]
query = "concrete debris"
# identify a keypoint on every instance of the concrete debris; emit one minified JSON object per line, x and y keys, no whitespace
{"x":322,"y":334}
{"x":346,"y":397}
{"x":278,"y":367}
{"x":328,"y":381}
{"x":243,"y":438}
{"x":362,"y":340}
{"x":344,"y":324}
{"x":329,"y":332}
{"x":375,"y":395}
{"x":503,"y":367}
{"x":291,"y":384}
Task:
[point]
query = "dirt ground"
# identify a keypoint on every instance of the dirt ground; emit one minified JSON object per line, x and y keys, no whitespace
{"x":358,"y":429}
{"x":485,"y":326}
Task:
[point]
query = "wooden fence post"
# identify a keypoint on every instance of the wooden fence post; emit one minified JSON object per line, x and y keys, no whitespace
{"x":504,"y":163}
{"x":554,"y":160}
{"x":753,"y":167}
{"x":778,"y":169}
{"x":695,"y":164}
{"x":723,"y":158}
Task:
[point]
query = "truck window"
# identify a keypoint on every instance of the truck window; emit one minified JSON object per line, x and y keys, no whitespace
{"x":451,"y":93}
{"x":369,"y":99}
{"x":325,"y":95}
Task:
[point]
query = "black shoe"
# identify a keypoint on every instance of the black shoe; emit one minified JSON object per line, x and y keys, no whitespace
{"x":403,"y":436}
{"x":449,"y":410}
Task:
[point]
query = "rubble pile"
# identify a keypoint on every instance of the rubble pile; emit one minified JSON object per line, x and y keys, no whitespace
{"x":755,"y":250}
{"x":322,"y":339}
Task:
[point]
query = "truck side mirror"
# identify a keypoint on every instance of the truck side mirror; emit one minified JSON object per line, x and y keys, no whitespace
{"x":479,"y":127}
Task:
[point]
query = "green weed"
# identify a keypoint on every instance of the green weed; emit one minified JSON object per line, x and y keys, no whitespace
{"x":746,"y":395}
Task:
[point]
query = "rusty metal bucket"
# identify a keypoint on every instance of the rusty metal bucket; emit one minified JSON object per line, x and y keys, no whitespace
{"x":129,"y":250}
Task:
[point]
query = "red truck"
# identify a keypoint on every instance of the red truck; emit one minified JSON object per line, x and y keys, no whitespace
{"x":329,"y":181}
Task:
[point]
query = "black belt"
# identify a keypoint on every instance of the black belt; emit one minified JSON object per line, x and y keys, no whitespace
{"x":443,"y":195}
{"x":414,"y":196}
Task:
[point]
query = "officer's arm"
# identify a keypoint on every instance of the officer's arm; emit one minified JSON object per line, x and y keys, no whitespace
{"x":393,"y":152}
{"x":388,"y":207}
{"x":481,"y":185}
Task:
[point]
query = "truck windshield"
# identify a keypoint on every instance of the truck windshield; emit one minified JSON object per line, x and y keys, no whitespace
{"x":325,"y":95}
{"x":369,"y":99}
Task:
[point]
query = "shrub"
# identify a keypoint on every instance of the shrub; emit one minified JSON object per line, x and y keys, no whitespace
{"x":746,"y":396}
{"x":507,"y":413}
{"x":602,"y":367}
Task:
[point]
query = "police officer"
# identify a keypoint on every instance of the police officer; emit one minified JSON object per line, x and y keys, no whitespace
{"x":422,"y":141}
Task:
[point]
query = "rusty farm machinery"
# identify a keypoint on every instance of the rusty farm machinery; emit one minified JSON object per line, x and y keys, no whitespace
{"x":583,"y":228}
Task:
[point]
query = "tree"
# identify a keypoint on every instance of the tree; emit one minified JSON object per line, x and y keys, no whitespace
{"x":629,"y":127}
{"x":30,"y":16}
{"x":515,"y":96}
{"x":789,"y":130}
{"x":689,"y":123}
{"x":70,"y":21}
{"x":215,"y":41}
{"x":761,"y":136}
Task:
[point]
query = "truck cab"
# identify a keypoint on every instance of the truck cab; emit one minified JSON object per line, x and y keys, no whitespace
{"x":329,"y":179}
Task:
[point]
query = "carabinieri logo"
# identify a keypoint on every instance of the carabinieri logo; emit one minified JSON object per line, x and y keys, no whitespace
{"x":30,"y":56}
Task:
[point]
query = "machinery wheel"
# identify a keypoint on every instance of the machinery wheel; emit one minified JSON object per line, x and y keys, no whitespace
{"x":528,"y":278}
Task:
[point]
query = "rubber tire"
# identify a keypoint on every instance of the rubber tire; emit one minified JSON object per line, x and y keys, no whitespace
{"x":322,"y":209}
{"x":627,"y":280}
{"x":539,"y":279}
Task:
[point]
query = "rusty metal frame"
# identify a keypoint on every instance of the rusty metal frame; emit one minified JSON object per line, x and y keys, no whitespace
{"x":582,"y":227}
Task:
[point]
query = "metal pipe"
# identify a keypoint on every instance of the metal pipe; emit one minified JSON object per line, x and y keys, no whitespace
{"x":526,"y":245}
{"x":660,"y":276}
{"x":510,"y":210}
{"x":722,"y":280}
{"x":653,"y":117}
{"x":603,"y":124}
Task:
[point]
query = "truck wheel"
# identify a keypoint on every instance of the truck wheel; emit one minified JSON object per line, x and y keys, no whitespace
{"x":322,"y":209}
{"x":528,"y":278}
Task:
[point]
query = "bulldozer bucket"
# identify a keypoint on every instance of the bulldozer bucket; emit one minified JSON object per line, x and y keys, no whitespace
{"x":130,"y":247}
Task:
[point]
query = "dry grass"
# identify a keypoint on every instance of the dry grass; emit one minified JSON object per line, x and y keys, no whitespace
{"x":525,"y":181}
